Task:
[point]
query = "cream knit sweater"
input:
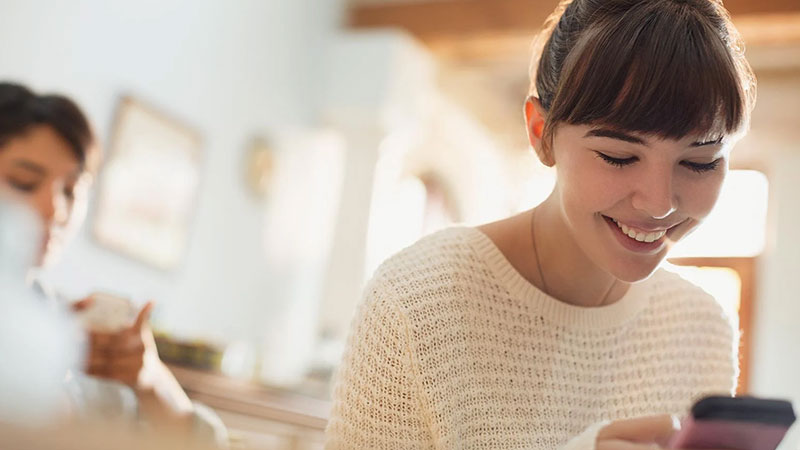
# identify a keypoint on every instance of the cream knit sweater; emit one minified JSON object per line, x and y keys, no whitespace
{"x":453,"y":349}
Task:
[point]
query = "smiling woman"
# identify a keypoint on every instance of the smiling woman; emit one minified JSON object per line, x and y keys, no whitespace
{"x":557,"y":328}
{"x":46,"y":165}
{"x":47,"y":160}
{"x":38,"y":175}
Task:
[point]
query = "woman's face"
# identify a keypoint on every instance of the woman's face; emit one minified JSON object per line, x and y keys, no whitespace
{"x":613,"y":185}
{"x":39,"y":169}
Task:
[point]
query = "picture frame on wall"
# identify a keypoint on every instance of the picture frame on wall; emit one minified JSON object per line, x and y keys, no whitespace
{"x":148,"y":186}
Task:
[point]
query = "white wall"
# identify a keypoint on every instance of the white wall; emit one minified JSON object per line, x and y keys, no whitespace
{"x":776,"y":137}
{"x":776,"y":356}
{"x":383,"y":95}
{"x":230,"y":70}
{"x":773,"y":146}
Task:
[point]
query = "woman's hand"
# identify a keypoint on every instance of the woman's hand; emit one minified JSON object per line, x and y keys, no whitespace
{"x":129,"y":356}
{"x":641,"y":433}
{"x":120,"y":355}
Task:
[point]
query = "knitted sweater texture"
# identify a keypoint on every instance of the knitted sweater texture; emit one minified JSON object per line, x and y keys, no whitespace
{"x":452,"y":348}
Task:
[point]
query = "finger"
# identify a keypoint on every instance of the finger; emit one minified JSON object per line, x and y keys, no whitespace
{"x":641,"y":429}
{"x":143,"y":316}
{"x":121,"y":358}
{"x":126,"y":341}
{"x":128,"y":364}
{"x":114,"y":344}
{"x":96,"y":359}
{"x":97,"y":372}
{"x":129,"y":377}
{"x":81,"y":305}
{"x":616,"y":444}
{"x":101,"y":341}
{"x":122,"y":369}
{"x":127,"y":344}
{"x":96,"y":367}
{"x":96,"y":364}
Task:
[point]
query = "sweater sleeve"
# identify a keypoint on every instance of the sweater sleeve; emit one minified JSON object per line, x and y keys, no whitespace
{"x":733,"y":354}
{"x":587,"y":440}
{"x":376,"y":401}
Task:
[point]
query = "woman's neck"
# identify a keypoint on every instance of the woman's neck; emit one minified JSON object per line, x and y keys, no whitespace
{"x":566,"y":274}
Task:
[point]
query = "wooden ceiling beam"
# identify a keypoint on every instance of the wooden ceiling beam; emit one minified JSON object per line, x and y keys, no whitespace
{"x":439,"y":18}
{"x":434,"y":19}
{"x":761,"y":30}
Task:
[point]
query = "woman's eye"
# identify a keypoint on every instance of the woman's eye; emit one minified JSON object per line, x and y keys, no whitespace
{"x":702,"y":167}
{"x":22,"y":186}
{"x":617,"y":162}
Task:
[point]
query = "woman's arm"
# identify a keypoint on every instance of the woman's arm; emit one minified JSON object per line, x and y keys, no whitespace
{"x":377,"y":404}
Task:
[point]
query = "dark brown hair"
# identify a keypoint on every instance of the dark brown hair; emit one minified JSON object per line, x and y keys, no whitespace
{"x":663,"y":67}
{"x":21,"y":109}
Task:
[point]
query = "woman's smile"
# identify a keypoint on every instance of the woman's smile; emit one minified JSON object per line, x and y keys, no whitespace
{"x":640,"y":239}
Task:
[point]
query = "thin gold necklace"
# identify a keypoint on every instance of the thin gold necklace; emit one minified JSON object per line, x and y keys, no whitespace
{"x":536,"y":252}
{"x":539,"y":265}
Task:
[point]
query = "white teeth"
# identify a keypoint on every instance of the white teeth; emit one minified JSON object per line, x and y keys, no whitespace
{"x":652,"y":237}
{"x":639,"y":235}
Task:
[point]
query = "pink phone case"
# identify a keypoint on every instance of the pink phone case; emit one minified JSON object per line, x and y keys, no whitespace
{"x":728,"y":434}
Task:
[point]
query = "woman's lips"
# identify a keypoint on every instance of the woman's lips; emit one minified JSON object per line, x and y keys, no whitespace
{"x":637,"y":246}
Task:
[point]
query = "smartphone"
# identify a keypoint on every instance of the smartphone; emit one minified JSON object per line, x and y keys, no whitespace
{"x":737,"y":423}
{"x":108,"y":313}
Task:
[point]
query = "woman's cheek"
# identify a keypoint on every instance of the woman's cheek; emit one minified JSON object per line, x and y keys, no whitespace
{"x":700,"y":197}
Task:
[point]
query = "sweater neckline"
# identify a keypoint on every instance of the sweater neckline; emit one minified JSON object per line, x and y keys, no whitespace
{"x":549,"y":307}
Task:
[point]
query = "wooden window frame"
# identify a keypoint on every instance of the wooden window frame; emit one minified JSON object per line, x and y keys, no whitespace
{"x":745,"y":267}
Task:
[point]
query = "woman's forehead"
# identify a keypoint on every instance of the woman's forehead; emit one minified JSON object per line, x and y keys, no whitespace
{"x":696,"y":138}
{"x":41,"y":150}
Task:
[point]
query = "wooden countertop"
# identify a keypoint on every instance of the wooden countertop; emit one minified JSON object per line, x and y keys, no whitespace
{"x":250,"y":398}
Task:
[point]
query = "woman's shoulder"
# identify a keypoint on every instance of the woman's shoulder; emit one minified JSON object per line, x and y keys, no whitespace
{"x":669,"y":281}
{"x":678,"y":296}
{"x":443,"y":261}
{"x":444,"y":250}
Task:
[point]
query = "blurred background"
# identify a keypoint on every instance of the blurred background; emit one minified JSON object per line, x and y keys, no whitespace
{"x":262,"y":157}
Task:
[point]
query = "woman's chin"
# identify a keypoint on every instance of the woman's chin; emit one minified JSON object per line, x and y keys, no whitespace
{"x":638,"y":272}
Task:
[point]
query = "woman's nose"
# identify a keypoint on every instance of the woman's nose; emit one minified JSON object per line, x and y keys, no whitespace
{"x":52,"y":205}
{"x":655,"y":195}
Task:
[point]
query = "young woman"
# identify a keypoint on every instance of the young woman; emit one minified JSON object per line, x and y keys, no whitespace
{"x":556,"y":328}
{"x":47,"y":162}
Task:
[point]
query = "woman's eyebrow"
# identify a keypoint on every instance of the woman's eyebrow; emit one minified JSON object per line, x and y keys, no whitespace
{"x":615,"y":134}
{"x":711,"y":142}
{"x":622,"y":136}
{"x":30,"y":166}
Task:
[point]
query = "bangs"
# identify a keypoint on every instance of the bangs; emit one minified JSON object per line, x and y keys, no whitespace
{"x":658,"y":71}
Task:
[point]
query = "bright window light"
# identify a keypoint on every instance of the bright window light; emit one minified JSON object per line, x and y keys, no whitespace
{"x":723,"y":283}
{"x":395,"y":221}
{"x":737,"y":225}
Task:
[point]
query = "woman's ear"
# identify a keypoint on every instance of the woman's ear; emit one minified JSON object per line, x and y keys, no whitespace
{"x":534,"y":123}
